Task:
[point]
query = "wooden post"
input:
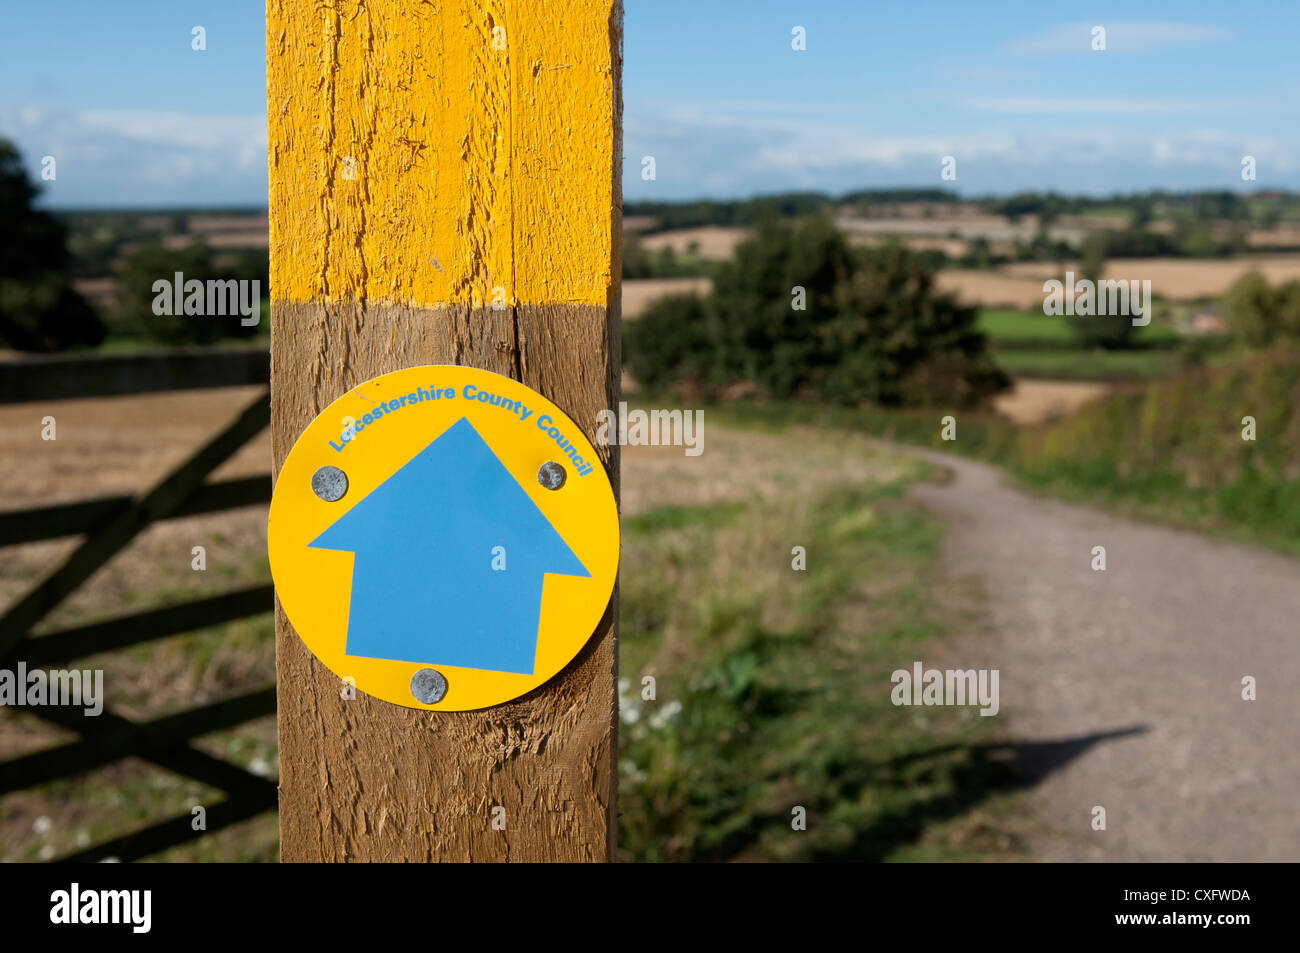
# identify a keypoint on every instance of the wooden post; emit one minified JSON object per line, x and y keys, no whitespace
{"x":445,"y":190}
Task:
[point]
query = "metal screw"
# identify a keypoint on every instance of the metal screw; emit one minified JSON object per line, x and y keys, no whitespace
{"x":551,"y":475}
{"x":428,"y":686}
{"x":329,"y":483}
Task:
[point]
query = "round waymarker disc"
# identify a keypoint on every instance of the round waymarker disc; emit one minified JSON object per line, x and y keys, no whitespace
{"x":449,"y":519}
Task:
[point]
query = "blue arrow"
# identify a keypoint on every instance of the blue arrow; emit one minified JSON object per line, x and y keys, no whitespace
{"x":423,"y":586}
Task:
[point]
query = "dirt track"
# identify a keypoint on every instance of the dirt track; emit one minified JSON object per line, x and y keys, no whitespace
{"x":1123,"y":688}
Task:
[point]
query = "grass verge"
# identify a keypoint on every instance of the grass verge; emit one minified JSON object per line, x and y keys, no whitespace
{"x":751,"y":689}
{"x":1171,"y":451}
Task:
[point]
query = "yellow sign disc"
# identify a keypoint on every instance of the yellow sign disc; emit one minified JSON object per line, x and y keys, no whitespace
{"x":444,"y":537}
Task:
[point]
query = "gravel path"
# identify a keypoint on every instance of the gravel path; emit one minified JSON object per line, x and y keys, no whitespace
{"x":1138,"y":669}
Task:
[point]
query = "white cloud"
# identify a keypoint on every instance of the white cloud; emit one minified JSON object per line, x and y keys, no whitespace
{"x":135,"y":157}
{"x":1122,"y":36}
{"x":222,"y":133}
{"x":713,"y":150}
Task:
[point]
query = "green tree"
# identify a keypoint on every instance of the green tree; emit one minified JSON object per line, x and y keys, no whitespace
{"x":799,"y":313}
{"x":896,"y":340}
{"x":1252,"y":310}
{"x":672,"y":343}
{"x":774,"y":300}
{"x":154,"y":262}
{"x":39,"y":310}
{"x":1287,"y":298}
{"x":1110,"y":331}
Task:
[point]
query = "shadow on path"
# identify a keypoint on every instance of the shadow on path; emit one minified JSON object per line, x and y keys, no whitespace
{"x":971,"y":775}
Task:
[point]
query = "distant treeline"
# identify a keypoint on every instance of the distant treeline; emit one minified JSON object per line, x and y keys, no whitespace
{"x":181,"y":210}
{"x":1262,"y":207}
{"x":747,"y":212}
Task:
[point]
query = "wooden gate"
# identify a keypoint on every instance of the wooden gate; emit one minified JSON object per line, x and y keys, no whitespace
{"x":107,"y":525}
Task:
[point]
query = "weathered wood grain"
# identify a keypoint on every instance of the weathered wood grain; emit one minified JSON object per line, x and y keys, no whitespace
{"x":482,"y":175}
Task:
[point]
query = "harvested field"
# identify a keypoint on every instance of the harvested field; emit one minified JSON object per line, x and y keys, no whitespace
{"x":992,"y":289}
{"x":1036,"y":401}
{"x":992,"y":227}
{"x":952,"y":247}
{"x":714,"y":242}
{"x":113,"y":446}
{"x":1288,"y":237}
{"x":640,"y":293}
{"x":227,"y":223}
{"x":1178,"y":279}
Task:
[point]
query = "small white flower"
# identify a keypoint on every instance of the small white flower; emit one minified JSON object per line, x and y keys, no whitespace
{"x":42,"y":825}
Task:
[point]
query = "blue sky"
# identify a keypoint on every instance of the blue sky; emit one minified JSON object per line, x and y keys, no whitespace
{"x":715,"y":93}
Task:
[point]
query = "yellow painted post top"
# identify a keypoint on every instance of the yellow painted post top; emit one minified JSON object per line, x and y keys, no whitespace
{"x":450,"y":169}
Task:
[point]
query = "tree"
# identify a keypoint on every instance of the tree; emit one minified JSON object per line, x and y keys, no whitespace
{"x":670,"y":343}
{"x":1099,"y":330}
{"x":1287,"y":298}
{"x":1252,"y":310}
{"x":799,"y":313}
{"x":897,"y":341}
{"x":770,"y":332}
{"x":153,"y":262}
{"x":39,"y":310}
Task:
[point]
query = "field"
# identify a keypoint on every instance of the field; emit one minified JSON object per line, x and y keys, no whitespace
{"x":711,"y":243}
{"x":640,"y":293}
{"x":1010,"y":328}
{"x":1177,"y":279}
{"x":1072,"y":363}
{"x":991,"y":289}
{"x":115,"y":446}
{"x":772,"y":683}
{"x":1036,"y":401}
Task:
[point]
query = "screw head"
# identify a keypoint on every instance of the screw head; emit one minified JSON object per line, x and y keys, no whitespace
{"x":428,"y":686}
{"x":551,"y":475}
{"x":329,"y":483}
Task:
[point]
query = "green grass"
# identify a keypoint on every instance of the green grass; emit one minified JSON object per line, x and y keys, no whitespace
{"x":664,"y":518}
{"x":772,"y":688}
{"x":1032,"y":344}
{"x":1008,"y":328}
{"x":1174,"y":451}
{"x":1169,"y":450}
{"x":1109,"y":213}
{"x":1077,"y":364}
